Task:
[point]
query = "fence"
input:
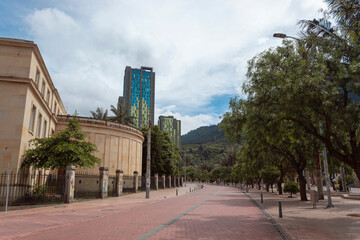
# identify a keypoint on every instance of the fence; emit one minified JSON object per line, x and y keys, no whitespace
{"x":27,"y":189}
{"x":87,"y":186}
{"x":143,"y":183}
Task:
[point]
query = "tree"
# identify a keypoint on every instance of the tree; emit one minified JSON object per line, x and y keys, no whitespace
{"x":265,"y":133}
{"x":291,"y":187}
{"x":63,"y":149}
{"x":99,"y":114}
{"x":192,"y":173}
{"x":229,"y":158}
{"x":336,"y":103}
{"x":165,"y":156}
{"x":270,"y":175}
{"x":121,"y":115}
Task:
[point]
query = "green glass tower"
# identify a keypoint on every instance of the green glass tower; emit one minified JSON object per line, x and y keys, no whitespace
{"x":139,"y":95}
{"x":173,"y":127}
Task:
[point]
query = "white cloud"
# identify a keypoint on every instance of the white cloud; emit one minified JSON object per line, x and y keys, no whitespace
{"x":198,"y":49}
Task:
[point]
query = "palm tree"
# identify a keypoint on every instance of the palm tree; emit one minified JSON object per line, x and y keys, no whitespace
{"x":121,"y":114}
{"x":100,"y":114}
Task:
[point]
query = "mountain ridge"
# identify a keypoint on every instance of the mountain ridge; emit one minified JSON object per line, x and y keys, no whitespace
{"x":204,"y":134}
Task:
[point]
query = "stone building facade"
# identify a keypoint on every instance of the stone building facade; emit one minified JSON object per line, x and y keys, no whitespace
{"x":30,"y":106}
{"x":119,"y":146}
{"x":29,"y":101}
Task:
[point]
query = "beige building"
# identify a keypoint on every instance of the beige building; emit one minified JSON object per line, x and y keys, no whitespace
{"x":29,"y":102}
{"x":30,"y":107}
{"x":119,"y":146}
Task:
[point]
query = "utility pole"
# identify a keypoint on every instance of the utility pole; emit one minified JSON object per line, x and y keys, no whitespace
{"x":148,"y":160}
{"x":343,"y":177}
{"x":185,"y":168}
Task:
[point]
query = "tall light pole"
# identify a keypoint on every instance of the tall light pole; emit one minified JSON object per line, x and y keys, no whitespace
{"x":326,"y":167}
{"x":148,"y":161}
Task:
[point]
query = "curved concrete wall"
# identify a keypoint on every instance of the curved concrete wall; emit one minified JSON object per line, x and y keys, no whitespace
{"x":119,"y":146}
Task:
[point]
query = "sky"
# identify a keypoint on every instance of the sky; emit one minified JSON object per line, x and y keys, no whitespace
{"x":198,"y":48}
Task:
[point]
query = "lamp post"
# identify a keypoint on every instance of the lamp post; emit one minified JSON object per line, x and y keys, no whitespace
{"x":326,"y":167}
{"x":148,"y":161}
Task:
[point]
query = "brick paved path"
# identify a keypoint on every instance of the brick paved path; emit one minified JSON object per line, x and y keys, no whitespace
{"x":215,"y":212}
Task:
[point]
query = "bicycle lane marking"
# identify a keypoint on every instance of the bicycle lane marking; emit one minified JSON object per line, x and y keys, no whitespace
{"x":165,"y":225}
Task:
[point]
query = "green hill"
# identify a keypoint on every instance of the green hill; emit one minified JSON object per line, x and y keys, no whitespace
{"x":203,"y":135}
{"x":206,"y":147}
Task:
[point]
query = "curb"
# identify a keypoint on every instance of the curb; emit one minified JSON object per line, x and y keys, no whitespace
{"x":284,"y":234}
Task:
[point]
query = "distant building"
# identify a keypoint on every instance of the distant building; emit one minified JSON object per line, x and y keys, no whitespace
{"x":139,"y":95}
{"x":173,"y":127}
{"x":121,"y":100}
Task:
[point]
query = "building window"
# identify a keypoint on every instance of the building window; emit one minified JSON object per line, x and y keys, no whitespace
{"x":43,"y":88}
{"x":32,"y":118}
{"x":39,"y":125}
{"x":55,"y":108}
{"x":48,"y":96}
{"x":37,"y":77}
{"x":45,"y":127}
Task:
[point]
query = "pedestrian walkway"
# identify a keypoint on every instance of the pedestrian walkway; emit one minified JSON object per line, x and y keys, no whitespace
{"x":215,"y":212}
{"x":301,"y":221}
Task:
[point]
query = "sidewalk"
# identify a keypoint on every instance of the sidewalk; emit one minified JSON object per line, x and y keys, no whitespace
{"x":301,"y":221}
{"x":111,"y":202}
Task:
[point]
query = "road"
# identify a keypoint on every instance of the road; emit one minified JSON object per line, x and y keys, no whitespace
{"x":215,"y":212}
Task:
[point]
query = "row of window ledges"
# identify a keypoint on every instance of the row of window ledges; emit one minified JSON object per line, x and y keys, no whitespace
{"x":40,"y":123}
{"x":56,"y":110}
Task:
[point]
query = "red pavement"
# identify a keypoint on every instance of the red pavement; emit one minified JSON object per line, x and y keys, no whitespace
{"x":215,"y":212}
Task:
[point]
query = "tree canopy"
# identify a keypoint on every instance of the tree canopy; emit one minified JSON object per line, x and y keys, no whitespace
{"x":121,"y":115}
{"x":64,"y":148}
{"x":99,"y":114}
{"x":165,"y":156}
{"x":301,"y":94}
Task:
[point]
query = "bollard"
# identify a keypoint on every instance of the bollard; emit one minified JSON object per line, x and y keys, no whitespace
{"x":119,"y":182}
{"x":262,"y":200}
{"x":177,"y":192}
{"x":136,"y":181}
{"x":280,"y":210}
{"x":70,"y":184}
{"x":104,"y":182}
{"x":190,"y":190}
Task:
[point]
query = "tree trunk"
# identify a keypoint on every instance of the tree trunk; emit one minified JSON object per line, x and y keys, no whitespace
{"x":272,"y":188}
{"x":302,"y":182}
{"x":357,"y":172}
{"x":267,"y":187}
{"x":259,"y":184}
{"x":318,"y":173}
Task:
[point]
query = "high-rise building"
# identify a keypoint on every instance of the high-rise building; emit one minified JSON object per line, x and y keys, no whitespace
{"x":139,"y":95}
{"x":173,"y":127}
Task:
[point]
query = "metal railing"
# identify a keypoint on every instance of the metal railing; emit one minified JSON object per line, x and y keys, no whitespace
{"x":27,"y":189}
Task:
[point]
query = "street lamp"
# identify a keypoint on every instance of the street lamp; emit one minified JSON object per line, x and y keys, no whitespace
{"x":283,"y":35}
{"x":326,"y":167}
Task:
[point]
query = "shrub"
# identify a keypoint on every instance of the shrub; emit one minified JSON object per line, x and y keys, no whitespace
{"x":291,"y":187}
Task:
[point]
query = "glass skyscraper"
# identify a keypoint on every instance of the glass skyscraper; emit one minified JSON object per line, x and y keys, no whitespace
{"x":139,"y":95}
